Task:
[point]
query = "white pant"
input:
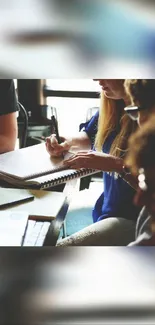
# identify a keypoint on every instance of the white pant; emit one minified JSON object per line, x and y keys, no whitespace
{"x":108,"y":232}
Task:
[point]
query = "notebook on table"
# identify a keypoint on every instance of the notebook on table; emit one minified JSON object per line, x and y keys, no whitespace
{"x":32,"y":167}
{"x":44,"y":207}
{"x":11,"y":197}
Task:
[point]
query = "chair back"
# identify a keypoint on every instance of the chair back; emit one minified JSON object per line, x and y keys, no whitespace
{"x":22,"y":126}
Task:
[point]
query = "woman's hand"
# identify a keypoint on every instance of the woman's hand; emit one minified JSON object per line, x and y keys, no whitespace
{"x":95,"y":160}
{"x":54,"y":148}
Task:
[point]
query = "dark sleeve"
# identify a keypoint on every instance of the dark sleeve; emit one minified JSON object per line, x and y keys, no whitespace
{"x":8,"y":98}
{"x":90,"y":127}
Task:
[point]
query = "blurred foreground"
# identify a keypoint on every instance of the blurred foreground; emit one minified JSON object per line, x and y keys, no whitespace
{"x":77,"y":286}
{"x":77,"y":39}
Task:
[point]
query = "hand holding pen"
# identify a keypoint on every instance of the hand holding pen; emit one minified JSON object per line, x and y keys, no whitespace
{"x":55,"y":128}
{"x":54,"y":148}
{"x":56,"y":145}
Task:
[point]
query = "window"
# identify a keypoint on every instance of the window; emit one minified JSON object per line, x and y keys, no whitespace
{"x":72,"y":111}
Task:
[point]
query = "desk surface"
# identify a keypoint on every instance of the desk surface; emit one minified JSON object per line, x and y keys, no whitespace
{"x":51,"y":230}
{"x":46,"y":233}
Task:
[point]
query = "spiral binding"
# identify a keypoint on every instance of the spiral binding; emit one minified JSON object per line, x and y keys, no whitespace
{"x":64,"y":179}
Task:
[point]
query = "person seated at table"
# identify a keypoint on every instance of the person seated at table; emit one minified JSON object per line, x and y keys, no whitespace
{"x":142,"y":97}
{"x":8,"y":118}
{"x":106,"y":134}
{"x":141,"y":160}
{"x":142,"y":110}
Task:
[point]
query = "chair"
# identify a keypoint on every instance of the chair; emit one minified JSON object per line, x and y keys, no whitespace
{"x":39,"y":130}
{"x":31,"y":133}
{"x":22,"y":126}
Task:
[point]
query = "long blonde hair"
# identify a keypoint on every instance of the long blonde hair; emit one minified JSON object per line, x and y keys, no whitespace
{"x":113,"y":118}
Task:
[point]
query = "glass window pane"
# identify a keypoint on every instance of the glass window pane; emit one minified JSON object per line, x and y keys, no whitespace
{"x":72,"y":111}
{"x":73,"y":84}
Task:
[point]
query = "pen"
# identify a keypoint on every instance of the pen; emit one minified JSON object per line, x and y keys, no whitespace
{"x":55,"y":128}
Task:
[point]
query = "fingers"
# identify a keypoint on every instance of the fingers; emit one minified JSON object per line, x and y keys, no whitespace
{"x":77,"y":158}
{"x":82,"y":159}
{"x":65,"y":146}
{"x":76,"y":162}
{"x":52,"y":140}
{"x":53,"y":152}
{"x":53,"y":147}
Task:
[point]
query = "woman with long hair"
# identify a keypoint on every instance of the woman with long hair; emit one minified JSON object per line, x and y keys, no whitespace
{"x":105,"y":137}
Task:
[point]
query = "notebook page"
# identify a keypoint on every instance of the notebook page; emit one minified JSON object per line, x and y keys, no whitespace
{"x":27,"y":161}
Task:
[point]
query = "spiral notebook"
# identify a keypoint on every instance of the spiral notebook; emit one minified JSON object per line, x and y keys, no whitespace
{"x":32,"y":167}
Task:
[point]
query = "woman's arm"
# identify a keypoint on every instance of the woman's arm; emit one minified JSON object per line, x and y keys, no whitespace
{"x":80,"y":141}
{"x":96,"y":160}
{"x":8,"y":132}
{"x":101,"y":161}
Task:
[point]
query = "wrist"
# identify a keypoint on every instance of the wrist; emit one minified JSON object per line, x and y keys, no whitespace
{"x":119,"y":165}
